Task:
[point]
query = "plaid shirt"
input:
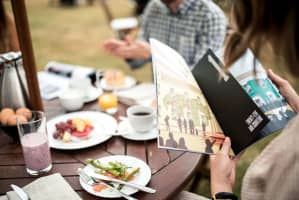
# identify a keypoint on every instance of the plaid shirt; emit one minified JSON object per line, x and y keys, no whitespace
{"x":196,"y":26}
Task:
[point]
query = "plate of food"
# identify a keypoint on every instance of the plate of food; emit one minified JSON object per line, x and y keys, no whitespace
{"x":116,"y":80}
{"x":122,"y":167}
{"x":80,"y":130}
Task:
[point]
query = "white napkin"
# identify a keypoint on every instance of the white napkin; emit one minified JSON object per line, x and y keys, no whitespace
{"x":142,"y":94}
{"x":52,"y":187}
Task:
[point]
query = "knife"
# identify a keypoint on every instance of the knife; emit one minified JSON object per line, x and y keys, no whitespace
{"x":20,"y":192}
{"x":130,"y":184}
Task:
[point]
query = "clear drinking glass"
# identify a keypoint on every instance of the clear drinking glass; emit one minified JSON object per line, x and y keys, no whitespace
{"x":35,"y":145}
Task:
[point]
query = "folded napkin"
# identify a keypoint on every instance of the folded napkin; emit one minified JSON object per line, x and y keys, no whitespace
{"x":52,"y":187}
{"x":142,"y":94}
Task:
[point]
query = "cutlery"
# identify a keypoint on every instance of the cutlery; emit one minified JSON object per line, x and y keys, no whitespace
{"x":91,"y":181}
{"x":100,"y":177}
{"x":20,"y":192}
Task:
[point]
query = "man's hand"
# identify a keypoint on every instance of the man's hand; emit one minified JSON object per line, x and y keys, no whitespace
{"x":128,"y":49}
{"x":285,"y":89}
{"x":223,"y":169}
{"x":112,"y":44}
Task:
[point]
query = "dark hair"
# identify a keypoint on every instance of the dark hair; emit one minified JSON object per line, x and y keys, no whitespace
{"x":3,"y":29}
{"x":256,"y":23}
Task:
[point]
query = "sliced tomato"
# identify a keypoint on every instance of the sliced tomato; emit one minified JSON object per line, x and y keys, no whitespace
{"x":110,"y":175}
{"x":99,"y":187}
{"x":88,"y":129}
{"x":80,"y":134}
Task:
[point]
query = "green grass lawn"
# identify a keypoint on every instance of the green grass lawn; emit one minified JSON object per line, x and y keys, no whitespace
{"x":74,"y":35}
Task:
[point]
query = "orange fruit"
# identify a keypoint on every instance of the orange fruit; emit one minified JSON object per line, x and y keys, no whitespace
{"x":107,"y":100}
{"x":25,"y":112}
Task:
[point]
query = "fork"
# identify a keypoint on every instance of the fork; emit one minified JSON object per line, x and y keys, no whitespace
{"x":92,"y":181}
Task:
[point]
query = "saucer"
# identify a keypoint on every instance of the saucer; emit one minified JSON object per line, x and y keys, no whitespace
{"x":131,"y":134}
{"x":93,"y":94}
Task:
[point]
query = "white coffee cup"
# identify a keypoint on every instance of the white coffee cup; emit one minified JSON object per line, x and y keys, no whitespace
{"x":141,"y":118}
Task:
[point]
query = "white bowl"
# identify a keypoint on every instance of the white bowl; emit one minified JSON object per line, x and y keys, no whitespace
{"x":72,"y":99}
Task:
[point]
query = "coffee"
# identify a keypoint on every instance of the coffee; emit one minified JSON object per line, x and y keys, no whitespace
{"x":141,"y":118}
{"x":141,"y":113}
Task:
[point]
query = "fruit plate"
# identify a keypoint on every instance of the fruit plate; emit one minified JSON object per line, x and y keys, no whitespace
{"x":104,"y":126}
{"x":142,"y":178}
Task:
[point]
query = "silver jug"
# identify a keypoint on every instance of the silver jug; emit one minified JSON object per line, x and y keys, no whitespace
{"x":13,"y":84}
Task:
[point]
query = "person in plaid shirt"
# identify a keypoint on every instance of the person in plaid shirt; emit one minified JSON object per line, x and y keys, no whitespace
{"x":188,"y":26}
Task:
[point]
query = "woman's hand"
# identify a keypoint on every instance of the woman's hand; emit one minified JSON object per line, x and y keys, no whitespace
{"x":285,"y":89}
{"x":223,"y":169}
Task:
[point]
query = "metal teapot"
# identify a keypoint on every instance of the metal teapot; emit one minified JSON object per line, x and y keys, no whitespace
{"x":13,"y":84}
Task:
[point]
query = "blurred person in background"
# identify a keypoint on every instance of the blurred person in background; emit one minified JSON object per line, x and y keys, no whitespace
{"x":140,"y":6}
{"x":188,"y":26}
{"x":275,"y":172}
{"x":8,"y":34}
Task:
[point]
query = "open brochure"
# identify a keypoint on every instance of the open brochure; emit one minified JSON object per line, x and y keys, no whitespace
{"x":196,"y":109}
{"x":56,"y":76}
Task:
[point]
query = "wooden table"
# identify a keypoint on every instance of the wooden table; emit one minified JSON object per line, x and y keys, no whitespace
{"x":171,"y":170}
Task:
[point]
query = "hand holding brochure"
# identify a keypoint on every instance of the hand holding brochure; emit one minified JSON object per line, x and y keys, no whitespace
{"x":196,"y":109}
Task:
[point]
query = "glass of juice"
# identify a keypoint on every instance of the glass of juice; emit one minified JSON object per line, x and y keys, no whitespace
{"x":35,"y":145}
{"x":108,"y":102}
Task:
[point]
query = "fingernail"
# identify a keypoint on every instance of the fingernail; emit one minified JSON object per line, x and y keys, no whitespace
{"x":227,"y":139}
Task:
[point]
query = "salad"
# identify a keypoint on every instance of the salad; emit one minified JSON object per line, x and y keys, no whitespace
{"x":114,"y":169}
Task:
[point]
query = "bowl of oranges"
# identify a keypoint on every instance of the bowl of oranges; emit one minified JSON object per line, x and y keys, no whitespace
{"x":8,"y":119}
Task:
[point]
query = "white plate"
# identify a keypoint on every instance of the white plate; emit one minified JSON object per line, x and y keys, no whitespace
{"x":104,"y":125}
{"x":129,"y":82}
{"x":130,"y":134}
{"x":142,"y":178}
{"x":93,"y":94}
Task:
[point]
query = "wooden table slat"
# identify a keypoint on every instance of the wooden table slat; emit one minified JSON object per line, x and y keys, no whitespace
{"x":167,"y":180}
{"x":5,"y":183}
{"x":11,"y":148}
{"x":93,"y":153}
{"x":18,"y":171}
{"x":86,"y":196}
{"x":173,"y":154}
{"x":116,"y":145}
{"x":14,"y":159}
{"x":135,"y":149}
{"x":157,"y":158}
{"x":62,"y":157}
{"x":4,"y":138}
